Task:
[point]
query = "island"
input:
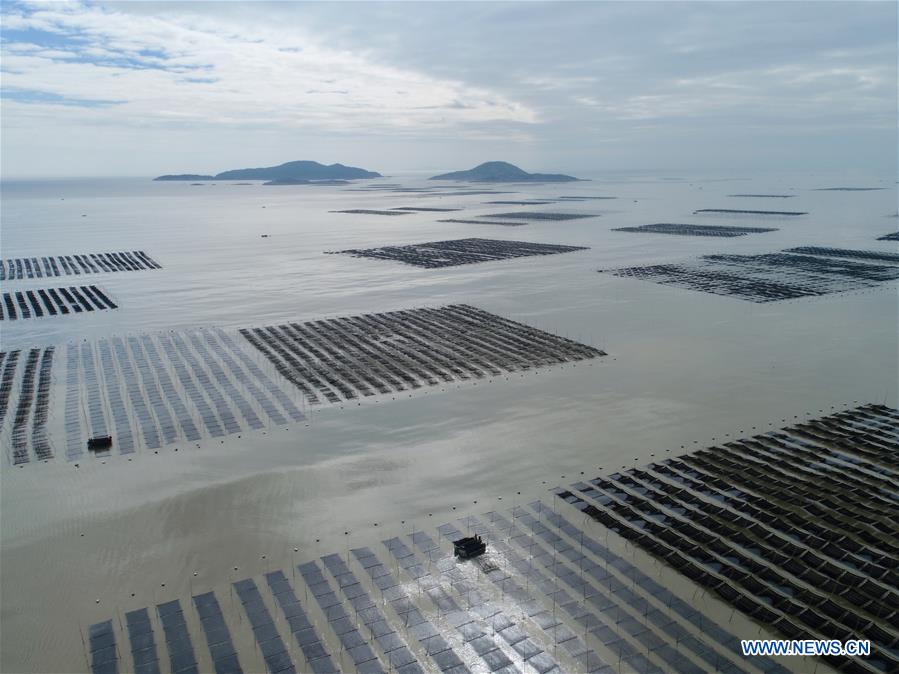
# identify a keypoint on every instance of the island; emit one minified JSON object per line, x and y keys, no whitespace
{"x":185,"y":176}
{"x":503,"y":172}
{"x":290,"y":173}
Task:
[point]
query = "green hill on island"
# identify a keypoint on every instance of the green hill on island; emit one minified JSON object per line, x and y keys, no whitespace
{"x":503,"y":172}
{"x":293,"y":172}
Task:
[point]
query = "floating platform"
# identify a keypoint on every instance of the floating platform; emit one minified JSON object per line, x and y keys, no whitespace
{"x":739,"y":211}
{"x":694,"y":230}
{"x":766,"y":278}
{"x":70,"y":265}
{"x":436,"y":254}
{"x":40,"y":302}
{"x":358,"y":356}
{"x":796,"y":528}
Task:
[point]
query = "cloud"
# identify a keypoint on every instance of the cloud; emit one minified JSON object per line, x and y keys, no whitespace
{"x":562,"y":85}
{"x":179,"y":68}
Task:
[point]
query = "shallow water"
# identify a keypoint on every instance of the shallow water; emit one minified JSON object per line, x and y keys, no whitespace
{"x":684,"y":369}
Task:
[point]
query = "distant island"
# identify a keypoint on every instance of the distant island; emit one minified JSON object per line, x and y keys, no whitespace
{"x":291,"y":173}
{"x":185,"y":176}
{"x":503,"y":172}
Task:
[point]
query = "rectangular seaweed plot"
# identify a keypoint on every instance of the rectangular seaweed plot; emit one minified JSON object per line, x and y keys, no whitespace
{"x":540,"y":215}
{"x":69,"y":265}
{"x":25,"y":401}
{"x":369,"y":211}
{"x":53,"y":302}
{"x":763,"y":196}
{"x":765,"y":278}
{"x":876,"y":255}
{"x":796,"y":528}
{"x":739,"y":211}
{"x":424,"y":209}
{"x":151,"y":391}
{"x":695,"y":230}
{"x":459,"y":251}
{"x":849,"y":189}
{"x":104,"y":656}
{"x":889,"y":237}
{"x":484,"y":222}
{"x":218,"y":636}
{"x":342,"y":358}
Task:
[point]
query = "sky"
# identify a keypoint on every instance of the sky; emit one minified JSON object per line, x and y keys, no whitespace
{"x":144,"y":88}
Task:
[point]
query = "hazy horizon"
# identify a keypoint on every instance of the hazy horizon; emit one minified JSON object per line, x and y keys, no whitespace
{"x":142,"y":89}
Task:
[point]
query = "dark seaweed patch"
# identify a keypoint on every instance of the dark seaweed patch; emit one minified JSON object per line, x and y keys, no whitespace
{"x":739,"y":211}
{"x":33,"y":303}
{"x":484,"y":222}
{"x":796,"y":527}
{"x":92,"y":263}
{"x":345,"y":358}
{"x":765,"y":278}
{"x":694,"y":230}
{"x":849,"y":189}
{"x":524,"y":215}
{"x":437,"y":254}
{"x":369,"y":211}
{"x":424,"y":209}
{"x":843,"y":252}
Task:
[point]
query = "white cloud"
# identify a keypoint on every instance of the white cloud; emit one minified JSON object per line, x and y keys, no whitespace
{"x":208,"y":85}
{"x":182,"y":68}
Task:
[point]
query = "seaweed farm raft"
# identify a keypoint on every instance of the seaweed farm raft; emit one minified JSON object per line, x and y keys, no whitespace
{"x":763,"y":196}
{"x":369,"y":211}
{"x":40,"y":302}
{"x":695,"y":230}
{"x":874,"y":255}
{"x":889,"y":237}
{"x":849,"y":189}
{"x":149,"y":391}
{"x":345,"y":358}
{"x":766,"y":278}
{"x":540,"y":215}
{"x":69,"y":265}
{"x":547,"y":596}
{"x":738,"y":211}
{"x":425,"y":209}
{"x":24,"y":401}
{"x":796,"y":528}
{"x":484,"y":222}
{"x":459,"y":251}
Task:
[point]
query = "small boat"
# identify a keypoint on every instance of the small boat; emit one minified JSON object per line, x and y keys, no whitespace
{"x":469,"y":547}
{"x":99,"y":443}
